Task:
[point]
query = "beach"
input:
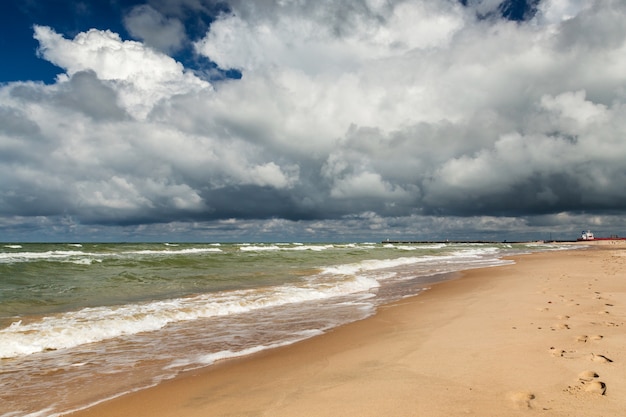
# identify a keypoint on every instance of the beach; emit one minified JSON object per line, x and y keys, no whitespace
{"x":87,"y":322}
{"x":542,"y":336}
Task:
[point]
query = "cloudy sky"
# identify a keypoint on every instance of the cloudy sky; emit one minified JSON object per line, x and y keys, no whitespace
{"x":285,"y":120}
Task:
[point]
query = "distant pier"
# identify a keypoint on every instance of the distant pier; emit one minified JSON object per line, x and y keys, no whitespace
{"x":413,"y":242}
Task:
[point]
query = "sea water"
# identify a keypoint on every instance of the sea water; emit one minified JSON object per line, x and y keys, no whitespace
{"x":81,"y":323}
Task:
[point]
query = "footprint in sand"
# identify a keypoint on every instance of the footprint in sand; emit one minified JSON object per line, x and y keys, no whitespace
{"x":596,"y":387}
{"x":557,"y":353}
{"x":605,"y":323}
{"x":588,"y":376}
{"x":522,"y":399}
{"x":589,"y":382}
{"x":584,"y":338}
{"x":600,"y":358}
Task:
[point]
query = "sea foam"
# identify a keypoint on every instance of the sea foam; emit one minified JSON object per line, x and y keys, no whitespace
{"x":95,"y":324}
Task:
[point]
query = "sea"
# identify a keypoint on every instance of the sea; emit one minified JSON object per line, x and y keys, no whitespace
{"x":85,"y":322}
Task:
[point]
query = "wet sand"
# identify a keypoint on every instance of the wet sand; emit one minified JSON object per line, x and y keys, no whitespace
{"x":545,"y":336}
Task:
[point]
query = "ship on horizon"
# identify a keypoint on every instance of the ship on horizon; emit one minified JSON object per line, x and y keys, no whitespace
{"x":588,"y":235}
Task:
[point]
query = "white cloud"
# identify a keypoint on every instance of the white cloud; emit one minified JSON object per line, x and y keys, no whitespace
{"x":116,"y":193}
{"x":556,"y":11}
{"x":270,"y":174}
{"x":306,"y":40}
{"x":365,"y":185}
{"x":575,"y":110}
{"x":141,"y":76}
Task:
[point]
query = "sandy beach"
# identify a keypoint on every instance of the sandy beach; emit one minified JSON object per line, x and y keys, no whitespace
{"x":543,"y":336}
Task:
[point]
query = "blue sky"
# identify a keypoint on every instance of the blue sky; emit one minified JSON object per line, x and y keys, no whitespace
{"x":72,"y":17}
{"x":19,"y":46}
{"x":283,"y":120}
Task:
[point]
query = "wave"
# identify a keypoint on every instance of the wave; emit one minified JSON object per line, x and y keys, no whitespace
{"x":81,"y":257}
{"x":420,"y":246}
{"x":211,"y":358}
{"x":173,"y":252}
{"x":256,"y":248}
{"x":8,"y":257}
{"x":283,"y":247}
{"x":486,"y":256}
{"x":95,"y":324}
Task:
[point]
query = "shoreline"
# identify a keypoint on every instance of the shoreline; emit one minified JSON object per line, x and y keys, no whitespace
{"x":496,"y":341}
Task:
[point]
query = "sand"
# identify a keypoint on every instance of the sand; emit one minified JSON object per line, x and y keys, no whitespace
{"x":545,"y":336}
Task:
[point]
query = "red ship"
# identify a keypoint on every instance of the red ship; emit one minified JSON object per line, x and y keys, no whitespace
{"x":587,"y":235}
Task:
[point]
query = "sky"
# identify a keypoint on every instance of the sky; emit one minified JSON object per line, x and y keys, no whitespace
{"x":295,"y":120}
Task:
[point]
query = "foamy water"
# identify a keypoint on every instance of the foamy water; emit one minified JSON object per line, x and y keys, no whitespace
{"x":94,"y":321}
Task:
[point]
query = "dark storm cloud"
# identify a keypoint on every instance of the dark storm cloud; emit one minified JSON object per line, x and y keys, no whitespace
{"x":411,"y":115}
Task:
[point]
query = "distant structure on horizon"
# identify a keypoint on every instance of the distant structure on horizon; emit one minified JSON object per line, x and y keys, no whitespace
{"x":587,"y":235}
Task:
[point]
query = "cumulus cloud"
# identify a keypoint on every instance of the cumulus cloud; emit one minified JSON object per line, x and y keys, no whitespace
{"x":325,"y":36}
{"x":142,"y":76}
{"x":154,"y":29}
{"x":378,"y":116}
